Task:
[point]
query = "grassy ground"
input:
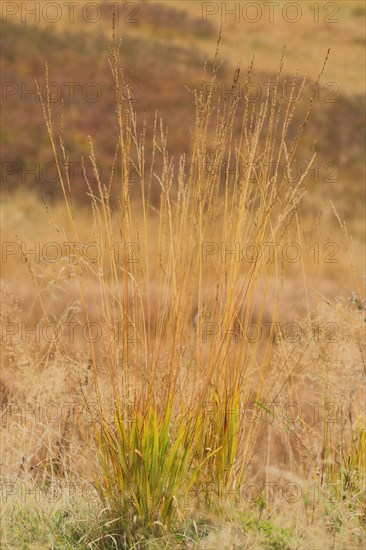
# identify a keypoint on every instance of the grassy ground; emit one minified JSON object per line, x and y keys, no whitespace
{"x":68,"y":523}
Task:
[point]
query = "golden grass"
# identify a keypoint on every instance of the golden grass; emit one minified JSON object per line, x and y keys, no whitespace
{"x":169,"y":398}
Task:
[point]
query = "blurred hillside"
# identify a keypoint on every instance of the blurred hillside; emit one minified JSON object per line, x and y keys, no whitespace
{"x":164,"y":46}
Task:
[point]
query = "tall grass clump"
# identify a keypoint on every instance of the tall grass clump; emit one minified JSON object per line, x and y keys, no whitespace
{"x":169,"y":421}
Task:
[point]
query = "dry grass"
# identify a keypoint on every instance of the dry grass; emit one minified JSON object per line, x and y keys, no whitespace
{"x":179,"y":416}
